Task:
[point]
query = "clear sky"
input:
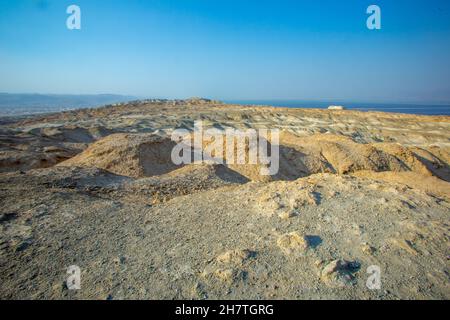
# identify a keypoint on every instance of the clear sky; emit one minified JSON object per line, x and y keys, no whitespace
{"x":229,"y":49}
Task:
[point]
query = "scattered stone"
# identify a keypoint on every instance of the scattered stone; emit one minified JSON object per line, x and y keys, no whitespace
{"x":367,"y":249}
{"x":333,"y":194}
{"x":24,"y":245}
{"x":236,"y":256}
{"x":318,"y":263}
{"x":52,"y":149}
{"x":287,"y":214}
{"x":4,"y":217}
{"x":405,"y":245}
{"x":304,"y":198}
{"x":292,"y":242}
{"x":357,"y":229}
{"x":229,"y":275}
{"x":339,"y":273}
{"x":120,"y":260}
{"x":199,"y":292}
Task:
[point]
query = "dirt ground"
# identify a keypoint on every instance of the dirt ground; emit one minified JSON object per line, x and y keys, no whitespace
{"x":356,"y":192}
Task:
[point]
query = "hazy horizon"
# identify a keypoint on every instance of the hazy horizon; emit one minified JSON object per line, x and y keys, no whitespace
{"x":229,"y":50}
{"x":28,"y":104}
{"x":425,"y":103}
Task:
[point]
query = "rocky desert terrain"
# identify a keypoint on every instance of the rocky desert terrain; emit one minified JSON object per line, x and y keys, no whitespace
{"x":96,"y":188}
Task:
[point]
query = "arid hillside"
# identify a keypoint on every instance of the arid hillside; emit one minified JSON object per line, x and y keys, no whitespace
{"x":97,"y":188}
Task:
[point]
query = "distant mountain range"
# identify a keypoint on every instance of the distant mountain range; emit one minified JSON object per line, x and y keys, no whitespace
{"x":21,"y":104}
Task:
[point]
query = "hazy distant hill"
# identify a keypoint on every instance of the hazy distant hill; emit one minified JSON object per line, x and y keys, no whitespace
{"x":16,"y":104}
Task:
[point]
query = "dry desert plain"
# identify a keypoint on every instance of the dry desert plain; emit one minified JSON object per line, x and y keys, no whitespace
{"x":96,"y":188}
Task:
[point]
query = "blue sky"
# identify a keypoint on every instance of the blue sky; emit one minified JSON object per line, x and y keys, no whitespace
{"x":229,"y":49}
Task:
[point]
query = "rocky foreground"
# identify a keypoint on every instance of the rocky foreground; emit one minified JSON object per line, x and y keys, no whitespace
{"x":96,"y":188}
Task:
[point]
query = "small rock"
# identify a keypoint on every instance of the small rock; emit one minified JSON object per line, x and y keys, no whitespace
{"x":120,"y":260}
{"x":333,"y":194}
{"x":287,"y":214}
{"x":4,"y":217}
{"x":338,"y":273}
{"x":332,"y":267}
{"x":292,"y":242}
{"x":357,"y":229}
{"x":52,"y":149}
{"x":235,"y":256}
{"x":405,"y":245}
{"x":318,"y":263}
{"x":199,"y":292}
{"x":367,"y":249}
{"x":229,"y":275}
{"x":24,"y":245}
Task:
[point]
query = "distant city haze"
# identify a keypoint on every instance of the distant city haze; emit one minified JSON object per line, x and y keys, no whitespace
{"x":229,"y":50}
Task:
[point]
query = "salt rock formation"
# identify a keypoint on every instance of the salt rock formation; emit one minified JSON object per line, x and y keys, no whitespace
{"x":340,"y":154}
{"x":144,"y":155}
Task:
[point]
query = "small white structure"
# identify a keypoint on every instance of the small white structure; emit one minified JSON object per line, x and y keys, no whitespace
{"x":336,"y":108}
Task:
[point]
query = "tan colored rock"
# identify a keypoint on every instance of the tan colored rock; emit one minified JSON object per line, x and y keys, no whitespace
{"x":332,"y":267}
{"x":292,"y":242}
{"x":235,"y":256}
{"x":415,"y":180}
{"x":133,"y":155}
{"x":406,"y":245}
{"x":367,"y":249}
{"x":286,"y":214}
{"x":338,"y":273}
{"x":228,"y":275}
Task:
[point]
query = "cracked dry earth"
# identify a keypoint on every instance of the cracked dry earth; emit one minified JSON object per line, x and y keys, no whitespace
{"x":140,"y":228}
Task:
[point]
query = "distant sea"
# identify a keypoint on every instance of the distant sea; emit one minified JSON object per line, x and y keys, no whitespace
{"x":28,"y":104}
{"x":12,"y":104}
{"x":361,"y":106}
